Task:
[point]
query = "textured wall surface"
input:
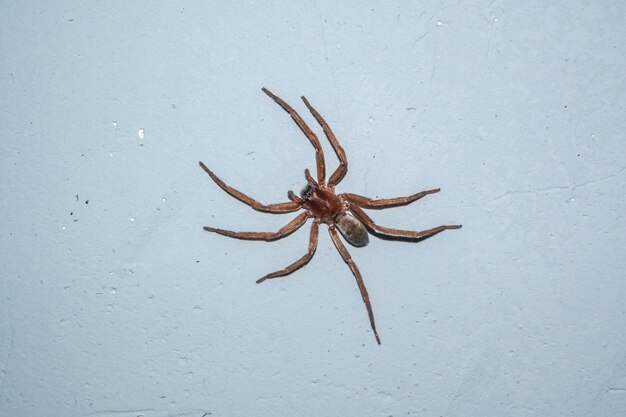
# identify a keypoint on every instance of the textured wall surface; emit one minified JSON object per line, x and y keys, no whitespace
{"x":115,"y":302}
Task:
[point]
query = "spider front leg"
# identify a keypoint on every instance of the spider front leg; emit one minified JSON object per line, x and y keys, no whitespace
{"x":384,"y":203}
{"x":357,"y":274}
{"x":291,"y":227}
{"x":319,"y":153}
{"x":340,"y":172}
{"x":300,"y":262}
{"x":397,"y":233}
{"x":279,"y":208}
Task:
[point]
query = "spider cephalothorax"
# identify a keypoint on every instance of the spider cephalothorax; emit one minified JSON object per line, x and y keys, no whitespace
{"x":341,"y":212}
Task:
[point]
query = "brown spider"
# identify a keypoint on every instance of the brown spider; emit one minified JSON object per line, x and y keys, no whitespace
{"x":341,"y":212}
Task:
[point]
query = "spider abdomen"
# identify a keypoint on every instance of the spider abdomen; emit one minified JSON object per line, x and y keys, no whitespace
{"x":352,"y":229}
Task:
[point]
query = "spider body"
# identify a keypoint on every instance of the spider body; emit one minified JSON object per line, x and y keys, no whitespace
{"x":343,"y":212}
{"x":327,"y":207}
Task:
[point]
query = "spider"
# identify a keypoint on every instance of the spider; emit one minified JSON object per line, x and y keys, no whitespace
{"x":342,"y":213}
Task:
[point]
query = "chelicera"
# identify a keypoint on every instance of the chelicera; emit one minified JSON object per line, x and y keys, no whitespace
{"x":342,"y":213}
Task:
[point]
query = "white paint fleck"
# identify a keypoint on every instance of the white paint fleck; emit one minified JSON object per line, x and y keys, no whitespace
{"x":141,"y":133}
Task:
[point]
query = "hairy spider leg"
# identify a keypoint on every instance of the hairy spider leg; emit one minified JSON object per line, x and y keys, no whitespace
{"x":284,"y":231}
{"x":319,"y":153}
{"x":384,"y":203}
{"x":278,"y":208}
{"x":357,"y":274}
{"x":300,"y":262}
{"x":340,"y":172}
{"x":396,"y":233}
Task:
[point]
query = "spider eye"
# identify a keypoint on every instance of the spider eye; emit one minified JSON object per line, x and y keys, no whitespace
{"x":306,"y":191}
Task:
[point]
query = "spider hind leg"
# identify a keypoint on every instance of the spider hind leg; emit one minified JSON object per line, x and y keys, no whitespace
{"x":357,"y":275}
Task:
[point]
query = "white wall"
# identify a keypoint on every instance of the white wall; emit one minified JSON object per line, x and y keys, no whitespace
{"x":116,"y":303}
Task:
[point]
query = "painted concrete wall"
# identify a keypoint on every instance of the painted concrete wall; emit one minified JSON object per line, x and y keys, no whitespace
{"x":115,"y":302}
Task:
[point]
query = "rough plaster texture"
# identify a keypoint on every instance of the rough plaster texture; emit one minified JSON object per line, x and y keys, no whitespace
{"x":115,"y":303}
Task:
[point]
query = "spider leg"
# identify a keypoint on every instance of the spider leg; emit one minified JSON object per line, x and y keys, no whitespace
{"x":343,"y":160}
{"x":369,"y":203}
{"x":319,"y":153}
{"x":300,"y":262}
{"x":279,"y":208}
{"x":386,"y":232}
{"x":355,"y":271}
{"x":284,"y":231}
